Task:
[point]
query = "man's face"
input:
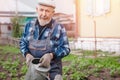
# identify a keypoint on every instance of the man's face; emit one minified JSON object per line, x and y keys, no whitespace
{"x":45,"y":13}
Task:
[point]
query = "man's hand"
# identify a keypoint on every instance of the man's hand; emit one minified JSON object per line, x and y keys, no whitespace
{"x":29,"y":58}
{"x":46,"y":59}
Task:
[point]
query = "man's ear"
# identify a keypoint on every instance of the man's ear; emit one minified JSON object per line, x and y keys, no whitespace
{"x":36,"y":8}
{"x":53,"y":12}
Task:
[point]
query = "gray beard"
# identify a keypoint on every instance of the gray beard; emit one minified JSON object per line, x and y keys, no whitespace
{"x":43,"y":22}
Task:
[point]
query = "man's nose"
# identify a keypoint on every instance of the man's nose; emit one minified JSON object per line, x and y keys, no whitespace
{"x":43,"y":13}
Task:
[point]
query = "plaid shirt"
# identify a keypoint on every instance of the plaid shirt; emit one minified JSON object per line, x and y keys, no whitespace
{"x":58,"y":38}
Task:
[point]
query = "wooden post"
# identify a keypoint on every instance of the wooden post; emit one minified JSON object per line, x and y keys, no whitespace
{"x":0,"y":30}
{"x":77,"y":8}
{"x":95,"y":51}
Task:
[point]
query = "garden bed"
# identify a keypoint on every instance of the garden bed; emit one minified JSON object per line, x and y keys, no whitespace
{"x":13,"y":66}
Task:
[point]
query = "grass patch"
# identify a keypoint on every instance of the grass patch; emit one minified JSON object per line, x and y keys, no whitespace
{"x":70,"y":57}
{"x":9,"y":49}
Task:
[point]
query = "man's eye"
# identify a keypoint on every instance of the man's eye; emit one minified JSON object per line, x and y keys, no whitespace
{"x":41,"y":10}
{"x":47,"y":11}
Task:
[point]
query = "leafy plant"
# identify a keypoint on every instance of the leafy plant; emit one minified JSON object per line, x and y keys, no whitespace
{"x":16,"y":23}
{"x":2,"y":75}
{"x":81,"y":68}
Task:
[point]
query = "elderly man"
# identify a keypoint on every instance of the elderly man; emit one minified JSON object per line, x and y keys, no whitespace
{"x":46,"y":39}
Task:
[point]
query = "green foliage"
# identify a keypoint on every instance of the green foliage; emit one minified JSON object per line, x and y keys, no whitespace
{"x":11,"y":67}
{"x":81,"y":68}
{"x":78,"y":69}
{"x":10,"y":63}
{"x":69,"y":58}
{"x":2,"y":75}
{"x":9,"y":49}
{"x":16,"y":23}
{"x":92,"y":52}
{"x":24,"y":69}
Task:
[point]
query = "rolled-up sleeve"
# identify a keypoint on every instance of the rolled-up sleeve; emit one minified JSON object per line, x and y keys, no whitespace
{"x":23,"y":41}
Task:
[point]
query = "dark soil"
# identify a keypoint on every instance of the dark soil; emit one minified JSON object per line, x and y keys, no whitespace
{"x":5,"y":58}
{"x":103,"y":75}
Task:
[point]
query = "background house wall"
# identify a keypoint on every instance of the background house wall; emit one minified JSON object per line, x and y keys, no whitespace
{"x":98,"y":32}
{"x":107,"y":25}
